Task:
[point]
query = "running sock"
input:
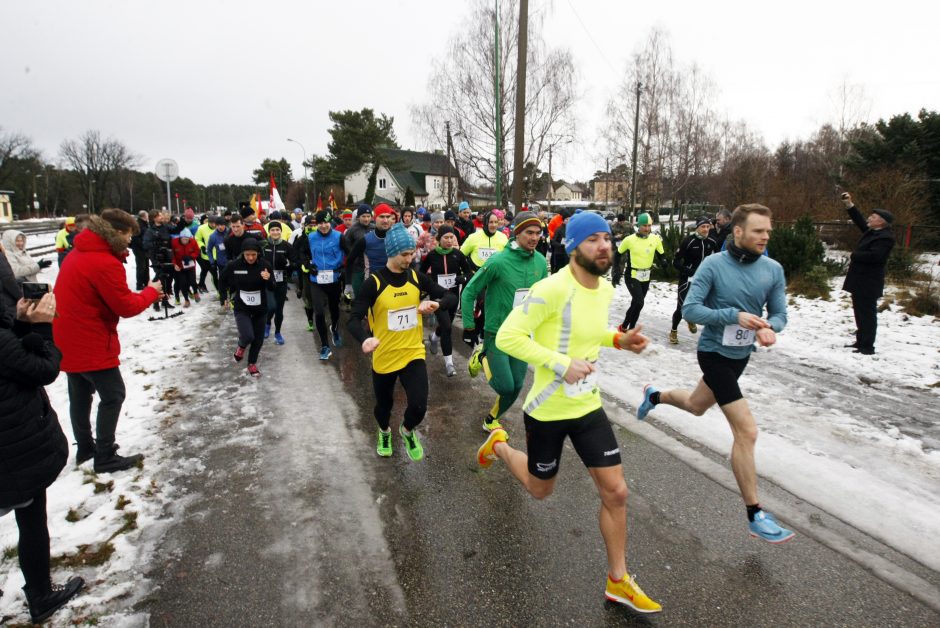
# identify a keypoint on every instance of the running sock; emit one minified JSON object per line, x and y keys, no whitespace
{"x":654,"y":398}
{"x":449,"y":360}
{"x":752,"y":509}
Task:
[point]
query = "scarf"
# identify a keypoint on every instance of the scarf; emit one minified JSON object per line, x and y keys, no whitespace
{"x":741,"y":255}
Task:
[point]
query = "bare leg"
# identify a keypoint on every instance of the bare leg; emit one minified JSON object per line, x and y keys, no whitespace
{"x":744,"y":430}
{"x":613,"y":517}
{"x":695,"y":402}
{"x":518,"y":464}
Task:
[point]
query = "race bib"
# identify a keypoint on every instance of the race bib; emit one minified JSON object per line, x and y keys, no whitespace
{"x":582,"y":386}
{"x":324,"y":276}
{"x":643,"y":275}
{"x":221,"y":247}
{"x":279,"y":276}
{"x":189,"y":264}
{"x":737,"y":336}
{"x":447,"y":281}
{"x":519,"y":296}
{"x":250,"y":298}
{"x":485,"y":254}
{"x":403,"y":319}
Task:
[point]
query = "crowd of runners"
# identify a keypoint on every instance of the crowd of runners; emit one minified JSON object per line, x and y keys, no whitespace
{"x":531,"y":291}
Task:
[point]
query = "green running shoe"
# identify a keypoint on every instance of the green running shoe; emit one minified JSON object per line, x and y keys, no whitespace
{"x":384,"y":446}
{"x":412,"y":444}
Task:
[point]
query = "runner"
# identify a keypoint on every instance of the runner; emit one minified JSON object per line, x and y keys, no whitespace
{"x":323,"y":263}
{"x":506,"y":277}
{"x":371,"y":247}
{"x":481,"y":245}
{"x":449,"y":268}
{"x":693,"y":249}
{"x":185,"y":254}
{"x":206,"y":227}
{"x":355,"y":271}
{"x":728,"y":296}
{"x":249,"y":277}
{"x":283,"y":260}
{"x":640,"y":250}
{"x":559,"y":330}
{"x":218,"y":258}
{"x":392,"y":300}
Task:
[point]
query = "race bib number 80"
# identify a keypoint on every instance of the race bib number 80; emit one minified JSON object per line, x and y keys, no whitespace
{"x":737,"y":336}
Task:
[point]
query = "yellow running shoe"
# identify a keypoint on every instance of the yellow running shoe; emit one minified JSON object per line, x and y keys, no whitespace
{"x":485,"y":454}
{"x":474,"y":364}
{"x":490,"y":424}
{"x":629,"y":593}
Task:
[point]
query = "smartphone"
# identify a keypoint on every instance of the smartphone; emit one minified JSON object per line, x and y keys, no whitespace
{"x":34,"y":291}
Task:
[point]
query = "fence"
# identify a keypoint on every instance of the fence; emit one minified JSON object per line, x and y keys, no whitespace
{"x":844,"y":235}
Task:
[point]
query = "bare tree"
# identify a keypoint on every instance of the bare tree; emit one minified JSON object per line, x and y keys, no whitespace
{"x":462,"y":90}
{"x":15,"y":148}
{"x":97,"y":162}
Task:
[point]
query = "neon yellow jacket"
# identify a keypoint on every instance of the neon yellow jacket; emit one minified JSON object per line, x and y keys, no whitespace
{"x":642,"y":251}
{"x":61,"y":241}
{"x":565,"y":321}
{"x":202,"y":238}
{"x":479,"y":247}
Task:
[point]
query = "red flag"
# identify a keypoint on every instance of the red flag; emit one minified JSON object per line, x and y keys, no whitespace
{"x":271,"y":191}
{"x":319,"y":202}
{"x":332,"y":202}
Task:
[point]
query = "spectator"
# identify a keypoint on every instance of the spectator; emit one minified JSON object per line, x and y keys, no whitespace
{"x":25,"y":268}
{"x":140,"y":253}
{"x":865,"y":279}
{"x":93,"y":296}
{"x":62,"y":242}
{"x":33,"y":448}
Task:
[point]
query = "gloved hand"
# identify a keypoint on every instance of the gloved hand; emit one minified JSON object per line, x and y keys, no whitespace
{"x":471,"y":337}
{"x":303,"y":267}
{"x":348,"y":294}
{"x":44,"y":263}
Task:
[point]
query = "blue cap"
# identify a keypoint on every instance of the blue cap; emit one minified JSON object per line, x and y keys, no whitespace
{"x":463,"y":205}
{"x":582,"y":226}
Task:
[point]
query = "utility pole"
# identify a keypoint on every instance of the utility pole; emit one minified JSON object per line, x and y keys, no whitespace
{"x":636,"y":131}
{"x":551,"y":184}
{"x":450,"y":199}
{"x":499,"y":111}
{"x":519,"y":146}
{"x":606,"y":182}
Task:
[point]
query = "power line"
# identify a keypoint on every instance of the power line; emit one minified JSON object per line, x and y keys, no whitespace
{"x":591,"y":37}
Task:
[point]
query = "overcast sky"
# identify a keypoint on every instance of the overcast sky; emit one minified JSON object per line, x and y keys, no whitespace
{"x":219,"y":86}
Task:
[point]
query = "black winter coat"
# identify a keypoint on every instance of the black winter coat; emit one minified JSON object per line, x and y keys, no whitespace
{"x":866,"y":275}
{"x":33,"y":448}
{"x":692,"y":250}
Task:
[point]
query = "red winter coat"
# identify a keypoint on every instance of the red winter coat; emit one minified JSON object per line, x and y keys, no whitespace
{"x":180,"y":250}
{"x":91,"y":296}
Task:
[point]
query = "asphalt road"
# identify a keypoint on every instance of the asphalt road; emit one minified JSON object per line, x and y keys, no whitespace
{"x":290,"y":519}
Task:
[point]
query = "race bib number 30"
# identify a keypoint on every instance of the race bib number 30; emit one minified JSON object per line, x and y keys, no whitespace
{"x":250,"y":298}
{"x":737,"y":336}
{"x":403,"y":319}
{"x":643,"y":275}
{"x":447,"y":281}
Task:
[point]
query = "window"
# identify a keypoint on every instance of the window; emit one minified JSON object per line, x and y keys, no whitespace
{"x":382,"y":184}
{"x":437,"y":184}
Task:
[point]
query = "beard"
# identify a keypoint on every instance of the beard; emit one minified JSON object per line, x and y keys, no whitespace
{"x":593,"y":266}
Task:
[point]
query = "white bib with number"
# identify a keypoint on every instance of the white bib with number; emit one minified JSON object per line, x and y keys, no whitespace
{"x":447,"y":281}
{"x":737,"y":336}
{"x":324,"y":276}
{"x":519,"y":296}
{"x":250,"y":298}
{"x":403,"y":319}
{"x":485,"y":254}
{"x":643,"y":275}
{"x":581,"y":386}
{"x":278,"y":276}
{"x":221,"y":247}
{"x":189,"y":264}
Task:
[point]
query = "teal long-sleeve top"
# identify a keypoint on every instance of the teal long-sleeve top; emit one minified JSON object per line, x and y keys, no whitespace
{"x":723,"y":287}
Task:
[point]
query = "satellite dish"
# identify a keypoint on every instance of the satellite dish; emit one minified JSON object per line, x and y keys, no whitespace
{"x":167,"y":170}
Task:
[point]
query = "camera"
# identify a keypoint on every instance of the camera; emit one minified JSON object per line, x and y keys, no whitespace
{"x":34,"y":291}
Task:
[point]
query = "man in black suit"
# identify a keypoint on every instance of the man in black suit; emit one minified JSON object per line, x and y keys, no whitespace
{"x":865,"y":279}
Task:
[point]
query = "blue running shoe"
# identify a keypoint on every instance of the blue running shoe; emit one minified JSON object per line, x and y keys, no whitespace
{"x":325,"y":353}
{"x":267,"y":331}
{"x":278,"y":338}
{"x":647,"y":405}
{"x":337,"y":339}
{"x":766,"y":527}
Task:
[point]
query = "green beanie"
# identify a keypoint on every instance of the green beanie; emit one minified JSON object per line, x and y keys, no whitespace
{"x":644,"y":219}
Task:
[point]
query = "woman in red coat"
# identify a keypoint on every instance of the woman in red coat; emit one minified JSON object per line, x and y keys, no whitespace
{"x":91,"y":297}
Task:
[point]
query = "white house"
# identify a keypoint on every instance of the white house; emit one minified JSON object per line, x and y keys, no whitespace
{"x":426,"y":174}
{"x":6,"y":206}
{"x":570,"y":192}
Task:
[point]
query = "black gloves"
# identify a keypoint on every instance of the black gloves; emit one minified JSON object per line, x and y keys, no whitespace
{"x":44,"y":263}
{"x":471,"y":337}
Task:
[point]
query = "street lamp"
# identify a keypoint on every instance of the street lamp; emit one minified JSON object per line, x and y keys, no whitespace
{"x":91,"y":207}
{"x":306,"y":197}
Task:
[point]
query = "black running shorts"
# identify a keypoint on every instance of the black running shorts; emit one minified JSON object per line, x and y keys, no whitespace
{"x":591,"y":435}
{"x":721,"y":375}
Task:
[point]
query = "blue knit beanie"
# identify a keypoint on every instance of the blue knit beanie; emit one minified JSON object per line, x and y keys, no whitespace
{"x":398,"y":240}
{"x":582,"y":226}
{"x":463,"y":205}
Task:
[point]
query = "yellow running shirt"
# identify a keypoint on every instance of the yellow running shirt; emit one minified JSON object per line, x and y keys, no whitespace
{"x":642,"y":251}
{"x":395,"y":321}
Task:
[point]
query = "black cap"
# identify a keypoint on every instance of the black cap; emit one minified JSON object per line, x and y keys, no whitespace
{"x":322,"y":216}
{"x":884,"y":213}
{"x":250,"y":244}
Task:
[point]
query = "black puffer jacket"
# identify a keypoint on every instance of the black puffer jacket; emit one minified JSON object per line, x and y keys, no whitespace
{"x":33,"y":448}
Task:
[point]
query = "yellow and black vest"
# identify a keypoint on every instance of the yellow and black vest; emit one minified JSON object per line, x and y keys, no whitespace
{"x":395,"y":321}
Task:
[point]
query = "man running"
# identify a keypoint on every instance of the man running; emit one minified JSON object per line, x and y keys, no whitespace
{"x":283,"y":260}
{"x":323,"y":262}
{"x":640,"y":250}
{"x":391,"y":298}
{"x":559,"y":330}
{"x":249,"y":278}
{"x":728,"y":296}
{"x":693,"y":249}
{"x":506,"y":277}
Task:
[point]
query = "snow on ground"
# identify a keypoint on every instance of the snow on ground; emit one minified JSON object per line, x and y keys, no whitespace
{"x":125,"y":509}
{"x":856,"y":436}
